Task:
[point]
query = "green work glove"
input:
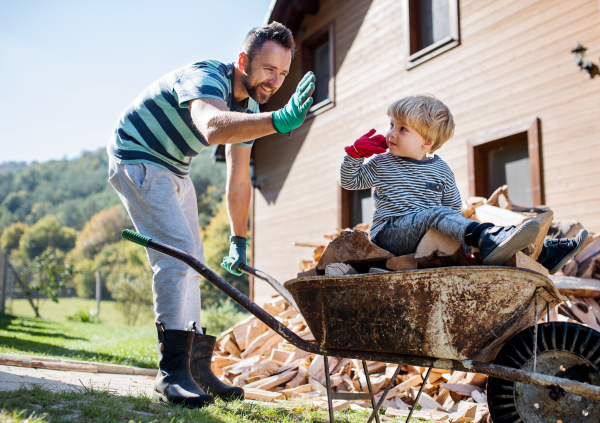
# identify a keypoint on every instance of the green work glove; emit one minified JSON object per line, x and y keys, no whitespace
{"x":292,"y":115}
{"x":237,"y":255}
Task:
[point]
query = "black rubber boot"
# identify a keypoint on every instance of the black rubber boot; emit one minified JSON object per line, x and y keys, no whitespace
{"x":174,"y":382}
{"x":202,"y":351}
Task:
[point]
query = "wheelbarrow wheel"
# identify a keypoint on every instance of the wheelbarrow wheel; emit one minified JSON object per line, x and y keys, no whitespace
{"x":566,"y":350}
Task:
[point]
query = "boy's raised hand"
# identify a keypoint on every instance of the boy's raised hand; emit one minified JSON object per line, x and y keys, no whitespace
{"x":367,"y":145}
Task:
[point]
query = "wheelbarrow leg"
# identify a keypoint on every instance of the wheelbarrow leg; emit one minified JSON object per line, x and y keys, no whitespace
{"x":385,"y":392}
{"x":329,"y":395}
{"x":370,"y":390}
{"x":419,"y":394}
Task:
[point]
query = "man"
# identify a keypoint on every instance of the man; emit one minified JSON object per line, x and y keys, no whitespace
{"x":192,"y":108}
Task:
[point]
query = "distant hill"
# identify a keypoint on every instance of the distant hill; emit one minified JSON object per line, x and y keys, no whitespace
{"x":74,"y":190}
{"x":12,"y":166}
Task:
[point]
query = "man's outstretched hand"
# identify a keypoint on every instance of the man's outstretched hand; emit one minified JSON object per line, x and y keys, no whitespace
{"x":292,"y":115}
{"x":237,"y":255}
{"x":367,"y":145}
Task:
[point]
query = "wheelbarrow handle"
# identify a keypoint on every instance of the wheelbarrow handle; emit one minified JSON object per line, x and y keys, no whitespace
{"x":226,"y":287}
{"x":272,"y":281}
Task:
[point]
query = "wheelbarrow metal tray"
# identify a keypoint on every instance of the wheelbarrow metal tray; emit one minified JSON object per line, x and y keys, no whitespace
{"x":453,"y":313}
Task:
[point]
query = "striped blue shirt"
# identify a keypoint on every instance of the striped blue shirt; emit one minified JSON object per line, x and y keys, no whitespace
{"x":402,"y":186}
{"x":157,"y":127}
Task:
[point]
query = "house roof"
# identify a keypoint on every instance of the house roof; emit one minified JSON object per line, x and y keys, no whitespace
{"x":290,"y":12}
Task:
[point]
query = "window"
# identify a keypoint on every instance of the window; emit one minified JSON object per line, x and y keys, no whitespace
{"x":430,"y":28}
{"x":318,"y":58}
{"x":508,"y":155}
{"x":356,"y":207}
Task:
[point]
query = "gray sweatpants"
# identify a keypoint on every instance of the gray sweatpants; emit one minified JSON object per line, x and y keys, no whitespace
{"x":402,"y":235}
{"x":163,"y":206}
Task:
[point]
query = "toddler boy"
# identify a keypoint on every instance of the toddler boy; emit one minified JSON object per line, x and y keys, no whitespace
{"x":415,"y":190}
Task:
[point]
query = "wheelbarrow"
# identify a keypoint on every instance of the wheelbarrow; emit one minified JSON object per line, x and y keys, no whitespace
{"x":478,"y":319}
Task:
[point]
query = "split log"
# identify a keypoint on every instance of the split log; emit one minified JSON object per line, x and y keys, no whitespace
{"x":405,"y":262}
{"x":299,"y":389}
{"x":339,"y":269}
{"x":308,"y":273}
{"x":272,"y":381}
{"x":461,"y":388}
{"x":584,"y":313}
{"x":523,"y":261}
{"x":494,"y":199}
{"x":498,"y":216}
{"x":261,"y":394}
{"x":577,"y":287}
{"x":354,"y":248}
{"x":577,"y":266}
{"x":545,"y":220}
{"x":437,"y":250}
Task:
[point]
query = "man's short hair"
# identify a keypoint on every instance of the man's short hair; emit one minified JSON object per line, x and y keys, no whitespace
{"x":275,"y":31}
{"x":428,"y":115}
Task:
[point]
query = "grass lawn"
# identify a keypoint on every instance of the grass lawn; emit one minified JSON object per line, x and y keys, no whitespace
{"x":66,"y":307}
{"x":38,"y":405}
{"x":133,"y":346}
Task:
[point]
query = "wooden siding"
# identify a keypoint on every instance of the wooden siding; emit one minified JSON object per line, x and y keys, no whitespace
{"x":514,"y":62}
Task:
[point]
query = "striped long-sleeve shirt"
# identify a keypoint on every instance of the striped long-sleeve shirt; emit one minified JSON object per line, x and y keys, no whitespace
{"x":157,"y":127}
{"x":402,"y":186}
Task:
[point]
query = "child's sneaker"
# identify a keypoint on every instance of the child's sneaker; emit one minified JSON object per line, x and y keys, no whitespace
{"x":499,"y":243}
{"x":557,"y":252}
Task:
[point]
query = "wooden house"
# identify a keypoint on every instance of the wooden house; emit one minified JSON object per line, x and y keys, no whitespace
{"x":526,"y":113}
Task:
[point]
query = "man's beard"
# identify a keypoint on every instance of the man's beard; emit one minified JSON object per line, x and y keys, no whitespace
{"x":253,"y":92}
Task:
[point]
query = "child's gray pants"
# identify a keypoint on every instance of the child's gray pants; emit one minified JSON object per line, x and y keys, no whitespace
{"x":402,"y":235}
{"x":163,"y":206}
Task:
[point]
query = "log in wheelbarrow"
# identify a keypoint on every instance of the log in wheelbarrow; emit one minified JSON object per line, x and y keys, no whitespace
{"x":475,"y":319}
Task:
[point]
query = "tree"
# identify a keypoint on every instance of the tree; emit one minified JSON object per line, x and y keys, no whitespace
{"x":102,"y":229}
{"x":47,"y":276}
{"x":12,"y":235}
{"x":216,"y":246}
{"x":46,"y":233}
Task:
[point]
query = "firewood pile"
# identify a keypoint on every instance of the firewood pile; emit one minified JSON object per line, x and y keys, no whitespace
{"x":269,"y":368}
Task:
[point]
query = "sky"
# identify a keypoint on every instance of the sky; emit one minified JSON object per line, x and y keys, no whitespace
{"x":69,"y":68}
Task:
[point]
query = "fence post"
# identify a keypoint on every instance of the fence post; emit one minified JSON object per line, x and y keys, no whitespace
{"x":98,"y":293}
{"x":3,"y":280}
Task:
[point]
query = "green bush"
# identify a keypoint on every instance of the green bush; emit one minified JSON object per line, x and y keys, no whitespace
{"x":221,"y":316}
{"x":82,"y":315}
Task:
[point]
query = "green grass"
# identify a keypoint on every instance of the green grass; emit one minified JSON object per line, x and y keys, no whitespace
{"x":133,"y":346}
{"x":216,"y":318}
{"x":101,"y":406}
{"x":67,"y":307}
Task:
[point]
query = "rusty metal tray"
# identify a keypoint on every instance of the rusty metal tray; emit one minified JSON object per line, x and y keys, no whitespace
{"x":451,"y":313}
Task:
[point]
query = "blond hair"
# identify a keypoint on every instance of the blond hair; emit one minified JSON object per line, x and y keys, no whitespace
{"x":428,"y":115}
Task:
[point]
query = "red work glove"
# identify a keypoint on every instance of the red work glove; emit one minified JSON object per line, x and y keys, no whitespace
{"x":367,"y":145}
